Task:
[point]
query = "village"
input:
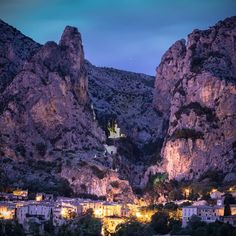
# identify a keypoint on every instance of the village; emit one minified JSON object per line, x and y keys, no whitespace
{"x":60,"y":210}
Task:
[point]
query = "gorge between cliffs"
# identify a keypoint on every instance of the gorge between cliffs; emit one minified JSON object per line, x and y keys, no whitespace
{"x":71,"y":128}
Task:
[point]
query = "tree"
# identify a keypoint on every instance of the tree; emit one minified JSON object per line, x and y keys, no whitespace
{"x":227,"y":210}
{"x":195,"y":222}
{"x":225,"y":230}
{"x":201,"y":231}
{"x":86,"y":225}
{"x":48,"y":227}
{"x":90,"y":226}
{"x":160,"y":222}
{"x":10,"y":228}
{"x":171,"y":206}
{"x":134,"y":228}
{"x":175,"y":194}
{"x":175,"y":226}
{"x":229,"y":199}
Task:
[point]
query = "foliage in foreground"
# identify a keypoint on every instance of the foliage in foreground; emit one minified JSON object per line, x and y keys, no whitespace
{"x":162,"y":224}
{"x":10,"y":228}
{"x":85,"y":226}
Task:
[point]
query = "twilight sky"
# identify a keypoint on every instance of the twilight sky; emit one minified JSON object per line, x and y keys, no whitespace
{"x":125,"y":34}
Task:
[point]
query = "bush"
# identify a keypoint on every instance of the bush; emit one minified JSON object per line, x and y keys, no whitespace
{"x":160,"y":222}
{"x":175,"y":194}
{"x":21,"y":149}
{"x":41,"y":148}
{"x":10,"y":228}
{"x":97,"y":172}
{"x":213,"y":176}
{"x":199,"y":110}
{"x":91,"y":196}
{"x":87,"y":225}
{"x":186,"y":134}
{"x":196,"y":64}
{"x":115,"y":184}
{"x":133,"y":228}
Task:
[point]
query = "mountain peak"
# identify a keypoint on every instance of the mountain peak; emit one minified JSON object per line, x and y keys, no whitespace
{"x":71,"y":38}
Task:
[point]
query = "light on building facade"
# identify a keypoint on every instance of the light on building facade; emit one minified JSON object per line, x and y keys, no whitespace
{"x":6,"y":214}
{"x":187,"y":192}
{"x":39,"y":198}
{"x":98,"y":213}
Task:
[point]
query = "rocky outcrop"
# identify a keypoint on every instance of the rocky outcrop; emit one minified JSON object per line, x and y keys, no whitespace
{"x":100,"y":181}
{"x":43,"y":110}
{"x":46,"y":116}
{"x":198,"y":82}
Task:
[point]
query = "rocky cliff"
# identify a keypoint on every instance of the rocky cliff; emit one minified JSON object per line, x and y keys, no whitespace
{"x":45,"y":116}
{"x":196,"y":89}
{"x":126,"y":98}
{"x":60,"y":116}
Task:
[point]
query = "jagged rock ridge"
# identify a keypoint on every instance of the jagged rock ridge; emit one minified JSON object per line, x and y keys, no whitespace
{"x":195,"y":87}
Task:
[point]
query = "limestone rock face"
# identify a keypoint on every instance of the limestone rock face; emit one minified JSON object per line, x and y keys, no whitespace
{"x":41,"y":109}
{"x":15,"y":50}
{"x":168,"y":73}
{"x":56,"y":110}
{"x":45,"y":113}
{"x":48,"y":117}
{"x":198,"y":80}
{"x":73,"y":61}
{"x":100,"y":181}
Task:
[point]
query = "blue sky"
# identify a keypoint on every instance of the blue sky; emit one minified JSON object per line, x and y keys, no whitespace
{"x":125,"y":34}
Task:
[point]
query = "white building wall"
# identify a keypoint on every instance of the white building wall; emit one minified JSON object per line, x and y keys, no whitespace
{"x":36,"y":210}
{"x":188,"y":212}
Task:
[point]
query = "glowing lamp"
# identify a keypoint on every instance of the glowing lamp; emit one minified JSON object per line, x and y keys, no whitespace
{"x":98,"y":212}
{"x":64,"y":213}
{"x":39,"y":198}
{"x":6,"y":215}
{"x":138,"y":214}
{"x":187,"y":191}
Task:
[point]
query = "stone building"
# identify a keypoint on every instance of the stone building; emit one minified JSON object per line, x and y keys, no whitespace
{"x":43,"y":197}
{"x":41,"y":211}
{"x":20,"y":194}
{"x":207,"y":214}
